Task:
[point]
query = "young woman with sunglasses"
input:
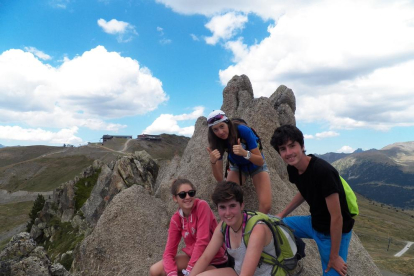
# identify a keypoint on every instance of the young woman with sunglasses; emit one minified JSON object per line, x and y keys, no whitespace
{"x":244,"y":155}
{"x":195,"y":223}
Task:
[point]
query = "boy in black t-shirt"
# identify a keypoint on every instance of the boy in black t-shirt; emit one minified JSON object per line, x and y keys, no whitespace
{"x":330,"y":223}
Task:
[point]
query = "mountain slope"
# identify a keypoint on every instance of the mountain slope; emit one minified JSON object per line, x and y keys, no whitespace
{"x":385,"y":175}
{"x":43,"y":168}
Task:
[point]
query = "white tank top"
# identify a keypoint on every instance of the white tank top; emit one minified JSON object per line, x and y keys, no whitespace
{"x":239,"y":253}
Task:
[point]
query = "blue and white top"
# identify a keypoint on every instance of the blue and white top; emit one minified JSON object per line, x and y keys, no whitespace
{"x":247,"y":137}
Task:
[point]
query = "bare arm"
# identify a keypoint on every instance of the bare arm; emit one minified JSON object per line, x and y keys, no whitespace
{"x":334,"y":208}
{"x":211,"y":250}
{"x":216,"y":164}
{"x":294,"y":203}
{"x":259,"y":238}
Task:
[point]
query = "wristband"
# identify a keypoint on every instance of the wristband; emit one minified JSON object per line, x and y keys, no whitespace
{"x":213,"y":163}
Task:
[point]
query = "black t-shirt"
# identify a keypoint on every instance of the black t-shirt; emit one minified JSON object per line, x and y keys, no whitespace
{"x":319,"y":181}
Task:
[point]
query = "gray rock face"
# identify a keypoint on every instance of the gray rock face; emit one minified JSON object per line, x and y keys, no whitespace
{"x":283,"y":101}
{"x":131,"y":233}
{"x":139,"y":169}
{"x":21,"y":257}
{"x":129,"y":236}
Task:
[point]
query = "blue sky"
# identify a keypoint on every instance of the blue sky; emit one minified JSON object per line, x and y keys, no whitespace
{"x":71,"y":71}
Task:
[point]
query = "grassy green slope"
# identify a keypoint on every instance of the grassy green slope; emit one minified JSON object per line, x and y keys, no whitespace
{"x":45,"y":174}
{"x":378,"y":224}
{"x":13,"y":155}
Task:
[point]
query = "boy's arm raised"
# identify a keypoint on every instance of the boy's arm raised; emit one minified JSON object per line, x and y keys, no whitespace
{"x":294,"y":203}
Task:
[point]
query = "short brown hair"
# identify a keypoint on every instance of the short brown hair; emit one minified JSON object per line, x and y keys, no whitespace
{"x":227,"y":190}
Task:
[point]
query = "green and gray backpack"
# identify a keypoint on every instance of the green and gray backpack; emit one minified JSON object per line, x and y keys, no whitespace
{"x":287,"y":251}
{"x":351,"y":199}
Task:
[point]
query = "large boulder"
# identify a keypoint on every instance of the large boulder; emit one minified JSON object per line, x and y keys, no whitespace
{"x":138,"y":169}
{"x":129,"y":236}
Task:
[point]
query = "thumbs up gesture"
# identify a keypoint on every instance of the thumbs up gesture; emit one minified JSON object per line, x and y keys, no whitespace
{"x":214,"y":155}
{"x":238,"y":149}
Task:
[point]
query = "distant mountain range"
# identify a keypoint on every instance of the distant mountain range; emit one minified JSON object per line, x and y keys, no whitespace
{"x":333,"y":156}
{"x":385,"y":175}
{"x":1,"y":146}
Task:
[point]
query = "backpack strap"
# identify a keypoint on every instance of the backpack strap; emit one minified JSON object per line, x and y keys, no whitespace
{"x":276,"y":262}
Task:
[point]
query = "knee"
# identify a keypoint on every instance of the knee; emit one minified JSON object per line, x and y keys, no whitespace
{"x":155,"y":270}
{"x":265,"y":207}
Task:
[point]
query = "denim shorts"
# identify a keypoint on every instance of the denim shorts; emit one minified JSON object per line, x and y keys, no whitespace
{"x":235,"y":168}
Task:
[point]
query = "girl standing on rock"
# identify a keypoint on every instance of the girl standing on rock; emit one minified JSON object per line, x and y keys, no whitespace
{"x":195,"y":223}
{"x":245,"y":158}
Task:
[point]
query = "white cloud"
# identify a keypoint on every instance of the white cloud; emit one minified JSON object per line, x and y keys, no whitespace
{"x":326,"y":134}
{"x":124,"y":30}
{"x":60,"y":4}
{"x":238,"y":48}
{"x":343,"y":71}
{"x":264,"y":8}
{"x":225,"y":26}
{"x":321,"y":135}
{"x":194,"y":37}
{"x":345,"y":149}
{"x":37,"y":53}
{"x":350,"y":63}
{"x":168,"y":123}
{"x":163,"y":40}
{"x":308,"y":136}
{"x":17,"y":133}
{"x":83,"y":91}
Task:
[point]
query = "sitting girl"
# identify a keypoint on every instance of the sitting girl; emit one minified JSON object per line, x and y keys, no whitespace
{"x":194,"y":222}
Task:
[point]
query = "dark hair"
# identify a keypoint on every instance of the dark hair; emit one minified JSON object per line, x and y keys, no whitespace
{"x":286,"y":133}
{"x":220,"y":144}
{"x":175,"y":185}
{"x":227,"y":190}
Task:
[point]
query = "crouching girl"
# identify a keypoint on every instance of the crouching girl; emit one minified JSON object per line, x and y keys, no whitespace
{"x":194,"y":222}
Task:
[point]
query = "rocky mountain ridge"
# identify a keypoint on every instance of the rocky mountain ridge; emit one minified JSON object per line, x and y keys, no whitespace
{"x":385,"y":175}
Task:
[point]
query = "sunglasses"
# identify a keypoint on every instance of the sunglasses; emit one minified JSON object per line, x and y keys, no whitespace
{"x":191,"y":193}
{"x":215,"y":118}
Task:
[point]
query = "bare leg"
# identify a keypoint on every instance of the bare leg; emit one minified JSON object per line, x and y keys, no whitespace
{"x":157,"y":269}
{"x":261,"y":182}
{"x":234,"y":176}
{"x":228,"y":271}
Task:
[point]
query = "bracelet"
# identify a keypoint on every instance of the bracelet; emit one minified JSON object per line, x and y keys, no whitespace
{"x":213,"y":163}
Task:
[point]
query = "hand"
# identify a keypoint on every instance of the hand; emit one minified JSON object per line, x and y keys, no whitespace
{"x":185,"y":272}
{"x":338,"y":264}
{"x":238,"y":149}
{"x":214,"y":155}
{"x":280,"y":216}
